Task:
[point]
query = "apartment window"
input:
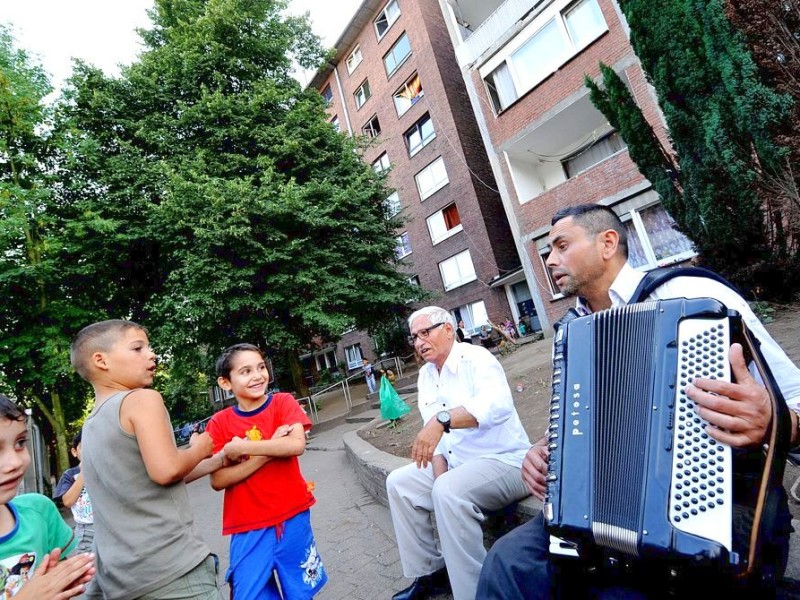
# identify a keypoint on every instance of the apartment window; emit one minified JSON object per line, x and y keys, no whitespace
{"x":590,"y":155}
{"x":386,"y":18}
{"x":335,"y":123}
{"x":457,"y":270}
{"x":372,"y":128}
{"x":392,"y":204}
{"x":544,"y":254}
{"x":354,"y":59}
{"x":431,"y":179}
{"x":653,"y":240}
{"x":327,"y":94}
{"x":326,"y":361}
{"x":362,"y":94}
{"x":382,"y":163}
{"x":544,"y":51}
{"x":403,"y":247}
{"x":444,"y":223}
{"x":420,"y":134}
{"x":353,"y":356}
{"x":414,"y":280}
{"x":397,"y":55}
{"x":408,"y":95}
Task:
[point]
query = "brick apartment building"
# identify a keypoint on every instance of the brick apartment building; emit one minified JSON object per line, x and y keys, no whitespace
{"x":394,"y":78}
{"x":523,"y":62}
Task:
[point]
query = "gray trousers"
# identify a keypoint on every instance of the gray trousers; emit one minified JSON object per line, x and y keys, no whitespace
{"x":458,"y":499}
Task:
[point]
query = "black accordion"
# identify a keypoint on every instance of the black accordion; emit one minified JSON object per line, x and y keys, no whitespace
{"x":632,"y":469}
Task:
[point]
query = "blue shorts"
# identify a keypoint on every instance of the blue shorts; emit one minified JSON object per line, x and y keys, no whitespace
{"x":288,"y":550}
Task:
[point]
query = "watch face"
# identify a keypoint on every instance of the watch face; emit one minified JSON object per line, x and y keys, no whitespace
{"x":443,"y":416}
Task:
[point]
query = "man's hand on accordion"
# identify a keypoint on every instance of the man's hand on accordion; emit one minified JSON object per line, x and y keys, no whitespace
{"x":739,"y":412}
{"x":534,"y":469}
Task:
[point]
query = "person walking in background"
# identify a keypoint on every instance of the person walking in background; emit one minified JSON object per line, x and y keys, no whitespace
{"x":267,"y":503}
{"x":145,"y":541}
{"x":72,"y":493}
{"x":369,"y":376}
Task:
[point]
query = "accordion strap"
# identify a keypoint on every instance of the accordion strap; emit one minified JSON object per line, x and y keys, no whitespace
{"x":776,"y":448}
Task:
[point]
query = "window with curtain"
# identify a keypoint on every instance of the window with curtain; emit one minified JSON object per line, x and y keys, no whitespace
{"x":408,"y":95}
{"x":403,"y":247}
{"x":444,"y":224}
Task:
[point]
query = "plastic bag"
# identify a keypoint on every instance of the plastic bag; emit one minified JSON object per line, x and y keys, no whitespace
{"x":392,"y":405}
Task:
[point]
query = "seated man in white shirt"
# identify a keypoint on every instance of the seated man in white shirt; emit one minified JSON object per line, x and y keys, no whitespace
{"x":467,"y":460}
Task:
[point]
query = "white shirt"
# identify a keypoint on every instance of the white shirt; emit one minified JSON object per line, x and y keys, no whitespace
{"x":473,"y":378}
{"x":786,"y":374}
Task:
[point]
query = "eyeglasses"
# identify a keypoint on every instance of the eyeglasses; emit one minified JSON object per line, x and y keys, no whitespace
{"x":423,"y":333}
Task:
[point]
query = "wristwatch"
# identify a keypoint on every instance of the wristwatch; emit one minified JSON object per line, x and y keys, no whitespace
{"x":443,"y":417}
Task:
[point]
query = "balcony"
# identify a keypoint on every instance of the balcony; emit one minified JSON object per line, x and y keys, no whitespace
{"x":486,"y":24}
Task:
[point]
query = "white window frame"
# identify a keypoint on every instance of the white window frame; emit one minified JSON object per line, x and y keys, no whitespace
{"x":353,"y":356}
{"x":437,"y":227}
{"x":354,"y":59}
{"x":392,"y":203}
{"x":398,"y":63}
{"x":335,"y":123}
{"x":414,"y":280}
{"x":362,"y":91}
{"x":329,"y":90}
{"x":417,"y":129}
{"x":465,"y":267}
{"x":558,"y":12}
{"x":634,"y":217}
{"x":381,"y":164}
{"x":437,"y":182}
{"x":369,"y":129}
{"x":390,"y":18}
{"x":403,"y":247}
{"x":475,"y":312}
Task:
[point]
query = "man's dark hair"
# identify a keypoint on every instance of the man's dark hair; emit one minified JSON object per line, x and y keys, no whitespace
{"x":595,"y":219}
{"x":77,"y":439}
{"x":223,"y":366}
{"x":10,"y":411}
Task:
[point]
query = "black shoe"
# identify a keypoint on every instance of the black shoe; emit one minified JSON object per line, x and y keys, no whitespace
{"x":426,"y":586}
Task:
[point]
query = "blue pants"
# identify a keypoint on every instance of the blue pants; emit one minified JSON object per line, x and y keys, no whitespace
{"x":288,"y":550}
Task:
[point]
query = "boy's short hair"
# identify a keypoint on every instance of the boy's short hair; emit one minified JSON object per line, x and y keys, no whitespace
{"x":223,"y":366}
{"x":10,"y":411}
{"x":97,"y":337}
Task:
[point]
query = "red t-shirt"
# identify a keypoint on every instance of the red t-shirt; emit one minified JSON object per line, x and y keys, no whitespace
{"x":277,"y":491}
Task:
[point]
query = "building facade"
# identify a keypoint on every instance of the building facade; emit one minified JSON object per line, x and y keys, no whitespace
{"x":394,"y":78}
{"x":524,"y":62}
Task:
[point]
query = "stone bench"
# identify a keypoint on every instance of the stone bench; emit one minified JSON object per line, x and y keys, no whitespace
{"x":372,"y":466}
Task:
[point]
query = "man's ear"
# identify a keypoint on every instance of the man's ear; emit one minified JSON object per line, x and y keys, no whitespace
{"x":224,"y":383}
{"x":610,"y":241}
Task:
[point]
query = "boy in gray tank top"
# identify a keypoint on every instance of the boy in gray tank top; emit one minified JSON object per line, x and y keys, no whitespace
{"x":145,"y":541}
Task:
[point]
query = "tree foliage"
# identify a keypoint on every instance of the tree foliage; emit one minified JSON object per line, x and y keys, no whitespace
{"x":42,"y":276}
{"x":237,"y":212}
{"x":722,"y":122}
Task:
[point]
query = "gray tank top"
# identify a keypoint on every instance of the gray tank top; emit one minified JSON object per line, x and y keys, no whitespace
{"x":144,"y":534}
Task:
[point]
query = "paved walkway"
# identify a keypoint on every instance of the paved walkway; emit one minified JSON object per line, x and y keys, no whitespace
{"x":354,"y":532}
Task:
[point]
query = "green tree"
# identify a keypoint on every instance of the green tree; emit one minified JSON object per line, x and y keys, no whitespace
{"x":721,"y":120}
{"x":255,"y":219}
{"x":41,"y":275}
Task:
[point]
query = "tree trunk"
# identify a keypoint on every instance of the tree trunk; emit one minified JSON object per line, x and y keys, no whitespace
{"x":296,"y":371}
{"x":59,"y":425}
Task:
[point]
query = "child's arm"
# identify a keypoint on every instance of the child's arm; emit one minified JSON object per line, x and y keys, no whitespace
{"x":71,"y":496}
{"x":207,"y":466}
{"x":144,"y":415}
{"x":227,"y":476}
{"x":58,"y":580}
{"x":292,"y":443}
